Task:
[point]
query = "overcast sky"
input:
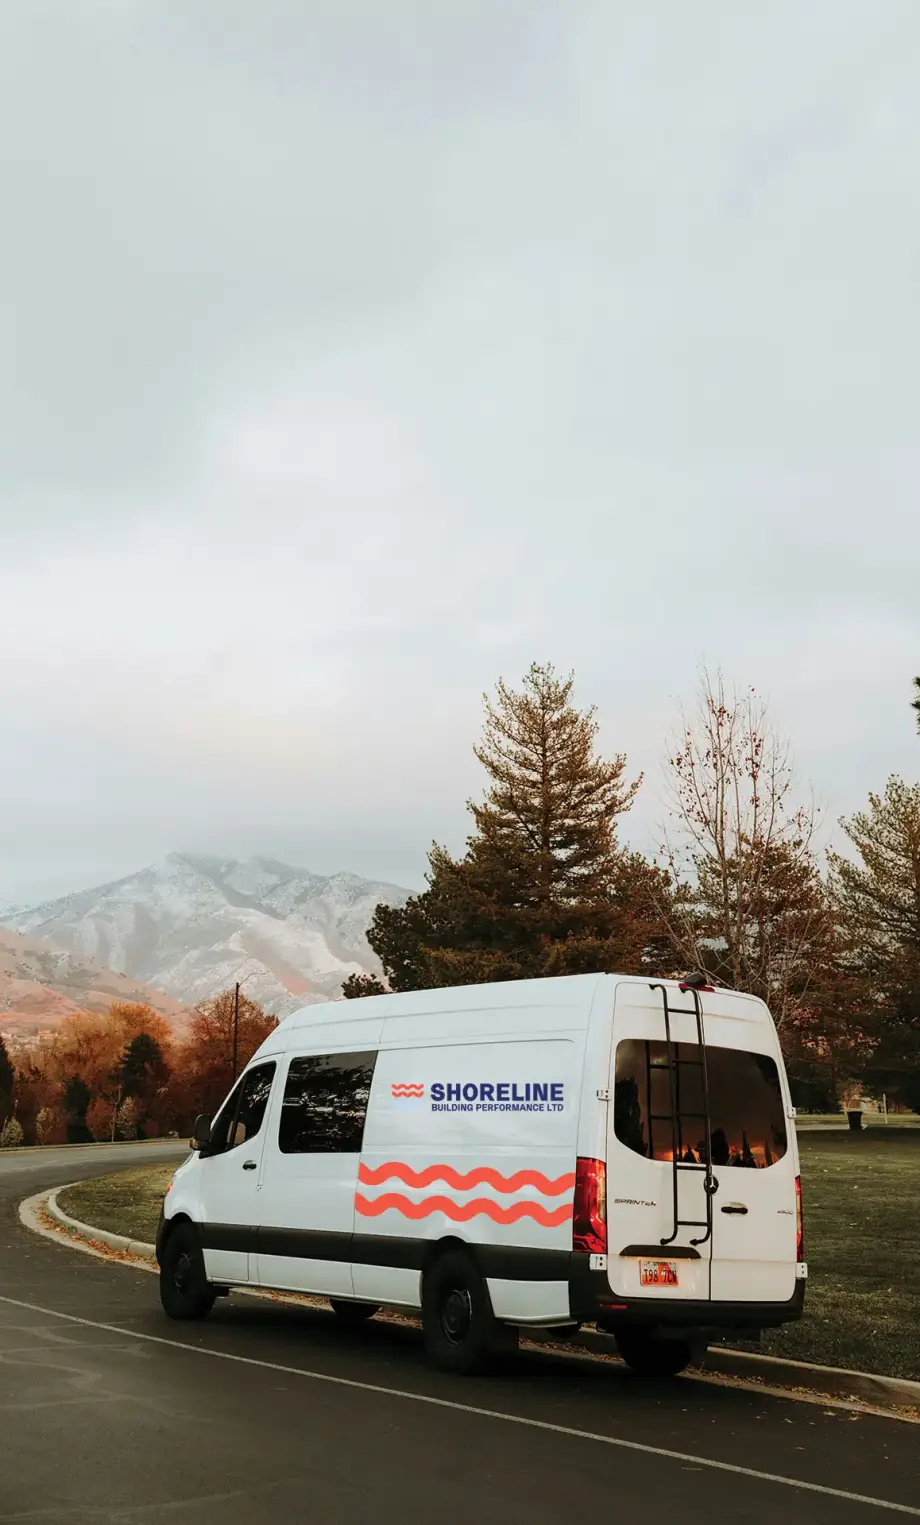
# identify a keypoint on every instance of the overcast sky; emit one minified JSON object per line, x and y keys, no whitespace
{"x":357,"y":353}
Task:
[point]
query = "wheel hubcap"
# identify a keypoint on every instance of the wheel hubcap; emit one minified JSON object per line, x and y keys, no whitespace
{"x":457,"y":1315}
{"x":182,"y":1276}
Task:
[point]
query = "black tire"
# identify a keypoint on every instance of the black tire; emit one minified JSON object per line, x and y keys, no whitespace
{"x":353,"y":1315}
{"x":185,"y":1291}
{"x":648,"y":1355}
{"x":460,"y":1329}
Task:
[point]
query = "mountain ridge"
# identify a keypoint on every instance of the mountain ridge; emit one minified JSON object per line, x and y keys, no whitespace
{"x":192,"y":924}
{"x":41,"y":985}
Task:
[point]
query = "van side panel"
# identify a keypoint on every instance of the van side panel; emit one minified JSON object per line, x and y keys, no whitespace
{"x":473,"y":1139}
{"x":305,"y":1201}
{"x":592,"y":1110}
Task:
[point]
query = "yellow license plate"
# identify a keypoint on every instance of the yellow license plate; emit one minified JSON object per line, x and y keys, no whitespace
{"x":658,"y":1273}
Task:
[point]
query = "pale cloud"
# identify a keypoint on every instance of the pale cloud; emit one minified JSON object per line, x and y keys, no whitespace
{"x":361,"y":354}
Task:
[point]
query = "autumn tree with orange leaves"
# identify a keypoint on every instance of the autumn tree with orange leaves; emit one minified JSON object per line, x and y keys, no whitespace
{"x":90,"y":1047}
{"x":205,"y":1073}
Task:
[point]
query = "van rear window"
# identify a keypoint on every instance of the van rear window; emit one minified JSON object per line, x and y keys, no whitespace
{"x":747,"y":1116}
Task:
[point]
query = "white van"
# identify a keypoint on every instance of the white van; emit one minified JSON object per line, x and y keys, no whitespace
{"x":544,"y":1153}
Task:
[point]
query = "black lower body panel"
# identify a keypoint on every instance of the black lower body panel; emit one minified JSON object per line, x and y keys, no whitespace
{"x":592,"y":1301}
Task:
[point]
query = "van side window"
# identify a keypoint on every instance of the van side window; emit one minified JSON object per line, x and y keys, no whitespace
{"x":242,"y":1114}
{"x":747,"y":1116}
{"x":325,"y":1103}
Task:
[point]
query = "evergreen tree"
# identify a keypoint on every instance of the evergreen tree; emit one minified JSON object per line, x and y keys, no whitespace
{"x":76,"y":1096}
{"x":544,"y":887}
{"x":878,"y":900}
{"x":358,"y":985}
{"x":7,"y":1082}
{"x":142,"y":1064}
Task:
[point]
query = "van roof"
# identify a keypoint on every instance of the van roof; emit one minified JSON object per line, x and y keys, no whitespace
{"x":568,"y":989}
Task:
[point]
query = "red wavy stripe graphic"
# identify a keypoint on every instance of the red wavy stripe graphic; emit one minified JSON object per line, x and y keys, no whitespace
{"x":482,"y":1175}
{"x":407,"y":1090}
{"x":461,"y":1212}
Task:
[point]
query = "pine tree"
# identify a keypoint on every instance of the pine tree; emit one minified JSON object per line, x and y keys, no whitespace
{"x":76,"y":1096}
{"x":358,"y":985}
{"x":141,"y":1064}
{"x":544,"y":886}
{"x":7,"y":1083}
{"x":878,"y":900}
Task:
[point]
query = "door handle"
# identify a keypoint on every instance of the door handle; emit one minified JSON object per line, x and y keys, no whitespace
{"x":734,"y":1207}
{"x":251,"y":1165}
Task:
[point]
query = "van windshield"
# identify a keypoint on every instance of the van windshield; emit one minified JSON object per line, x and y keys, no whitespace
{"x":747,"y":1116}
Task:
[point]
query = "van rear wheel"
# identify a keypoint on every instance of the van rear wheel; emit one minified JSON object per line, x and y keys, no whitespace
{"x":460,"y":1329}
{"x":353,"y":1315}
{"x":185,"y":1291}
{"x":648,"y":1355}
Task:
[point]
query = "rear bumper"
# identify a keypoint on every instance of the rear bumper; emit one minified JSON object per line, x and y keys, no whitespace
{"x":592,"y":1301}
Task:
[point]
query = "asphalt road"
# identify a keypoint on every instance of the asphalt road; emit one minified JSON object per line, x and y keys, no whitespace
{"x":267,"y":1413}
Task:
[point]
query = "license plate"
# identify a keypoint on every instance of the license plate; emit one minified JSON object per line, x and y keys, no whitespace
{"x":658,"y":1273}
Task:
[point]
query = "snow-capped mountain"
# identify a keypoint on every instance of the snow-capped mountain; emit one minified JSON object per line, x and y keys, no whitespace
{"x":193,"y":925}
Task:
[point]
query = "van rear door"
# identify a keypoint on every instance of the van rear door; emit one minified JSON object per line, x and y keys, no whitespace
{"x":650,"y":1253}
{"x":754,"y":1162}
{"x":750,"y":1255}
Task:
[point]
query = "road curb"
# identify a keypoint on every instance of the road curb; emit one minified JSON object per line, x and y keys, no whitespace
{"x":100,"y":1144}
{"x":773,"y":1371}
{"x":136,"y":1247}
{"x":767,"y":1372}
{"x":35,"y":1215}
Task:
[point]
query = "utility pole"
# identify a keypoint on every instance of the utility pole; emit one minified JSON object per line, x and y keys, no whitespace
{"x":236,"y":1024}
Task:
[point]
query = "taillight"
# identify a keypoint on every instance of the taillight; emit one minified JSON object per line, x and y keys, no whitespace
{"x":799,"y":1221}
{"x":589,"y":1218}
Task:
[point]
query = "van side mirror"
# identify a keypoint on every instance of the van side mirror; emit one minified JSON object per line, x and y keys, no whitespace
{"x":201,"y":1135}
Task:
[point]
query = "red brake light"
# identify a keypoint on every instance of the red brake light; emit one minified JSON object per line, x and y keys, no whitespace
{"x":589,"y":1218}
{"x":799,"y":1221}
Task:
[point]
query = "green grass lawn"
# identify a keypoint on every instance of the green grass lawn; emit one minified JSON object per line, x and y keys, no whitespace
{"x":862,"y":1243}
{"x":126,"y":1203}
{"x":862,"y":1240}
{"x":870,"y":1120}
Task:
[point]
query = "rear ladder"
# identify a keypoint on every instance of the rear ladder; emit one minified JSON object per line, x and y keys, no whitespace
{"x":677,"y":1116}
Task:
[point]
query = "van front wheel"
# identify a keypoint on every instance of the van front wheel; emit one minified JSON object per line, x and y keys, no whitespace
{"x":459,"y":1326}
{"x":648,"y":1355}
{"x":185,"y":1291}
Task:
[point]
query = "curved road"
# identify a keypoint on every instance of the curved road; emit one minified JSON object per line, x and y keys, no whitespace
{"x":109,"y":1413}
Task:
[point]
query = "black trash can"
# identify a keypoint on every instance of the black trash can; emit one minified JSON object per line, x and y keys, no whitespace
{"x":855,"y":1120}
